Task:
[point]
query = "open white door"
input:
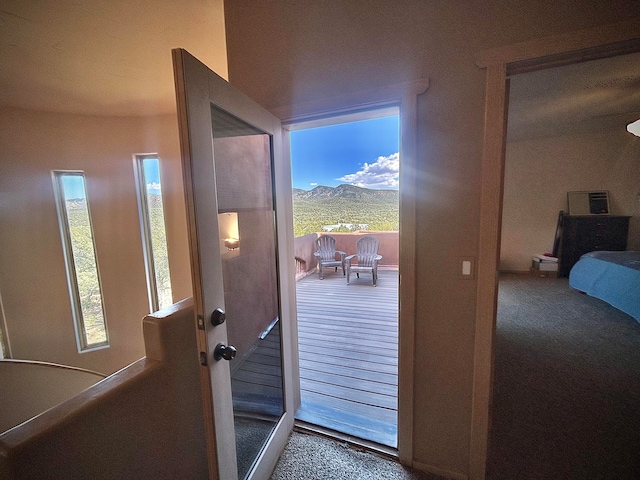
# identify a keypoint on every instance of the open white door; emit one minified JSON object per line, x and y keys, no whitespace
{"x":237,"y":181}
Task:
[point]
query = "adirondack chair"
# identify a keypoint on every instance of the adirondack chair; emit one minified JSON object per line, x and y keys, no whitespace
{"x":327,"y":255}
{"x":368,"y":259}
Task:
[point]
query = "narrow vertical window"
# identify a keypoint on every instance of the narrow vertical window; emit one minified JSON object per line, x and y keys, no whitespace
{"x":80,"y":260}
{"x":154,"y":236}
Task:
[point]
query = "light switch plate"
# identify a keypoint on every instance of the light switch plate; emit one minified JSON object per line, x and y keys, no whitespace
{"x":467,"y":268}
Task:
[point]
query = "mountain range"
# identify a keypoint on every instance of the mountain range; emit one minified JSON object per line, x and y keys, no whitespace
{"x":344,"y":191}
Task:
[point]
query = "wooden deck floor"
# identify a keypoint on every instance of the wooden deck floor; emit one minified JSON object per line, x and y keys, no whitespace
{"x":348,"y":343}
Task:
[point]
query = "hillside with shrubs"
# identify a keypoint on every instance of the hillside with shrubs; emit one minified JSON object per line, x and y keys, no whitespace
{"x":350,"y":207}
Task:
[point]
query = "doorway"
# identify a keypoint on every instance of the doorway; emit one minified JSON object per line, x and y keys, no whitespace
{"x":345,"y":173}
{"x":600,"y":42}
{"x":538,"y":327}
{"x":199,"y":93}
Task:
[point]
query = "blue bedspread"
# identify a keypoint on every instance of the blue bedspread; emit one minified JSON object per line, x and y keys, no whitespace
{"x":610,"y":276}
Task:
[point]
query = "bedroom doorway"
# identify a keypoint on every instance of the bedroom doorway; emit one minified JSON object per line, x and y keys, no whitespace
{"x":493,"y":151}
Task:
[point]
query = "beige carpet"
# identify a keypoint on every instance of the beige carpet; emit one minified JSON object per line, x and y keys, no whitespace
{"x":311,"y":457}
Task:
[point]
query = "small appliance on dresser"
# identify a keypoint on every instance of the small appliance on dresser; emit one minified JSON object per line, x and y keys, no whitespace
{"x":589,"y":228}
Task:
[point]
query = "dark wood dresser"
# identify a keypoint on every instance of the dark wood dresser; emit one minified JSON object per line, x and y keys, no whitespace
{"x":588,"y":233}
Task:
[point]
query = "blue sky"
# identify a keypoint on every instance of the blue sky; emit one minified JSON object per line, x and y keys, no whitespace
{"x":73,"y":187}
{"x":151,"y":168}
{"x":363,"y":153}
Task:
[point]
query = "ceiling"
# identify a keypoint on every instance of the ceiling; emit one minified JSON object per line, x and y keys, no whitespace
{"x":103,"y":57}
{"x":581,"y":98}
{"x":112,"y":57}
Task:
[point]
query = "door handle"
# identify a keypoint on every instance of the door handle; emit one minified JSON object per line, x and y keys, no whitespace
{"x":228,"y":352}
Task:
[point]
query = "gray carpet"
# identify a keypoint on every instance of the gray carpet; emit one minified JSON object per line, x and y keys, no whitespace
{"x":566,"y":399}
{"x":311,"y":457}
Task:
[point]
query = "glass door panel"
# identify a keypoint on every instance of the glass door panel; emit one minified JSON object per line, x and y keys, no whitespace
{"x":247,"y":235}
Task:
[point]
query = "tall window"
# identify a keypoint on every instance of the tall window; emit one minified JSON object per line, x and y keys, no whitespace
{"x":80,"y":259}
{"x":154,"y":236}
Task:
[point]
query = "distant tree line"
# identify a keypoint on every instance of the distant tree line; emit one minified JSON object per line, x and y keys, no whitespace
{"x":311,"y":213}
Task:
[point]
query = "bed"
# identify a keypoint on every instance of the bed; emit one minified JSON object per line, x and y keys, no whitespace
{"x":610,"y":276}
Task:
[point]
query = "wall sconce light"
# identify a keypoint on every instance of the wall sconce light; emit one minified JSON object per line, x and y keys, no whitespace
{"x":634,"y":128}
{"x":229,"y":236}
{"x":231,"y":243}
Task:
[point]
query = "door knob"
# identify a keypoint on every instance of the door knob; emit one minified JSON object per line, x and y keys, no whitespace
{"x":224,"y":351}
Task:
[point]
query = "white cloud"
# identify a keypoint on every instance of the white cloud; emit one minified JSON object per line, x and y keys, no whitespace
{"x":314,"y":184}
{"x":382,"y":174}
{"x":153,"y":186}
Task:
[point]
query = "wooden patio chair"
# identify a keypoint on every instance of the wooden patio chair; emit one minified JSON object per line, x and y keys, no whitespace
{"x":327,"y":254}
{"x":368,"y":258}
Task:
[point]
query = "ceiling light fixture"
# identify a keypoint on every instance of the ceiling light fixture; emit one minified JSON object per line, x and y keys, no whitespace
{"x":634,"y":127}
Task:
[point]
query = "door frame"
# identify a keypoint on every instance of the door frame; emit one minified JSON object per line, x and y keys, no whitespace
{"x":500,"y":63}
{"x":405,"y":97}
